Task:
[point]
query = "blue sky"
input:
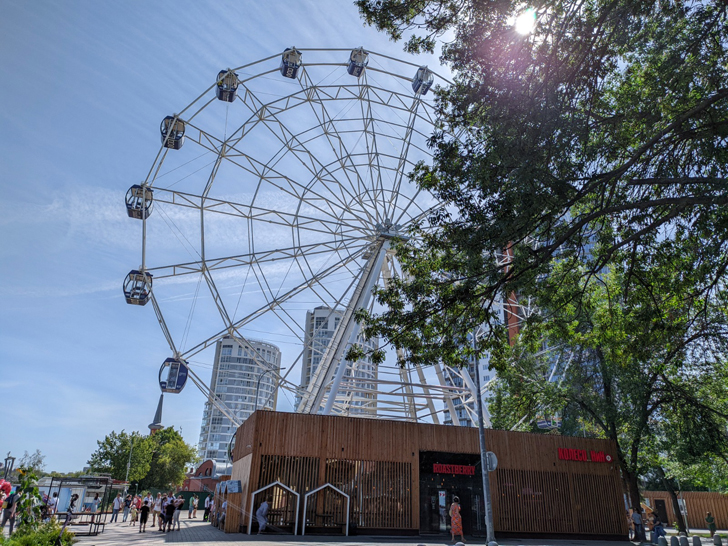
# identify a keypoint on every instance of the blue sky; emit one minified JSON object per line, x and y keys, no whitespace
{"x":84,"y":87}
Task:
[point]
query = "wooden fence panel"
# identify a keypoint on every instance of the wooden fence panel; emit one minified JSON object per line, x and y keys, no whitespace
{"x":698,"y":504}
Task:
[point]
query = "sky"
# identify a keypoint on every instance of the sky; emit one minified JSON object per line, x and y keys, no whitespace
{"x":84,"y":87}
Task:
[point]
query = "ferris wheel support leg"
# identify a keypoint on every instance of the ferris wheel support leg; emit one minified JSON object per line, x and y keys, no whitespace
{"x":163,"y":325}
{"x":371,"y":275}
{"x":471,"y":387}
{"x":447,"y":397}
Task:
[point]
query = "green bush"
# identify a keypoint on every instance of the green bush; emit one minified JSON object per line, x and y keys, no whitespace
{"x":45,"y":535}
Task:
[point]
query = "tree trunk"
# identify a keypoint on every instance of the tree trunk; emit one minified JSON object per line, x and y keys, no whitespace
{"x":633,"y":490}
{"x":673,"y":495}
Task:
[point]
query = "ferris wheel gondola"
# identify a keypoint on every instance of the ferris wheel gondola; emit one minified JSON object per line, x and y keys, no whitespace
{"x":176,"y":377}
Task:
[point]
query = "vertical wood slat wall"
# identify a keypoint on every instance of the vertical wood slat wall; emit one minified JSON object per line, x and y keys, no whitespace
{"x":532,"y":490}
{"x":698,"y":503}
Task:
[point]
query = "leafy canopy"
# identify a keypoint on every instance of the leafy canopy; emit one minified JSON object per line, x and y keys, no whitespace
{"x":600,"y":136}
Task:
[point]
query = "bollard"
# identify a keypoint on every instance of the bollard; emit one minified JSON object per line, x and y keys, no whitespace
{"x":674,"y":541}
{"x":662,"y":541}
{"x":717,"y":541}
{"x":697,"y":541}
{"x":684,"y":541}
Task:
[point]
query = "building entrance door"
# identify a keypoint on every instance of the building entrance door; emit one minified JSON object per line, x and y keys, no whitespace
{"x":435,"y":507}
{"x":661,"y":510}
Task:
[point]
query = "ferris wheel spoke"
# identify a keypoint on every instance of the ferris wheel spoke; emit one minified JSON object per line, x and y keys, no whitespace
{"x":262,"y":171}
{"x":375,"y":171}
{"x":404,"y":152}
{"x":250,"y":212}
{"x":330,"y":129}
{"x":280,"y":300}
{"x":243,"y":260}
{"x":297,"y":146}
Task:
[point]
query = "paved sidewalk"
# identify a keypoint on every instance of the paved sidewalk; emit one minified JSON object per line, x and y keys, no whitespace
{"x":199,"y":532}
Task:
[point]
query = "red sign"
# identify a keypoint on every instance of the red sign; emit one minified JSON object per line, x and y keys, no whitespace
{"x":584,"y":455}
{"x":453,"y":469}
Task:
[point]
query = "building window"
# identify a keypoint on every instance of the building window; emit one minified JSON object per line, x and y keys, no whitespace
{"x":227,"y":350}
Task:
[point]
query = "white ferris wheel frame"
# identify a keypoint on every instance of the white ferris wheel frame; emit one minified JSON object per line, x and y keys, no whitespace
{"x":357,"y":232}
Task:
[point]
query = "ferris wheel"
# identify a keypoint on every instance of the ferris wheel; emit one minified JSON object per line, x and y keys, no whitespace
{"x":276,"y":192}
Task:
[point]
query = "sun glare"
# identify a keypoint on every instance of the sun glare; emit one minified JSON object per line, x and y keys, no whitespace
{"x":526,"y":22}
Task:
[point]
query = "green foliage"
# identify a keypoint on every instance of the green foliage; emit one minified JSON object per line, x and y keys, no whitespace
{"x":170,"y":456}
{"x":28,"y":511}
{"x":643,"y":365}
{"x":599,"y":137}
{"x":112,"y":455}
{"x":45,"y":534}
{"x":157,"y":461}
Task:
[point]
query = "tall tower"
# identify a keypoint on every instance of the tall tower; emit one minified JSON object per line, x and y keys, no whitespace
{"x":357,"y":394}
{"x":240,"y":374}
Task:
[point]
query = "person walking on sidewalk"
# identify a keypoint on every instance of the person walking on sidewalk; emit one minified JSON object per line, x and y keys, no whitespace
{"x":115,"y":507}
{"x":178,"y":503}
{"x":127,"y":507}
{"x":195,"y":502}
{"x":11,"y":507}
{"x":456,"y":520}
{"x":144,"y":516}
{"x":157,"y":510}
{"x":639,"y":533}
{"x":206,"y":516}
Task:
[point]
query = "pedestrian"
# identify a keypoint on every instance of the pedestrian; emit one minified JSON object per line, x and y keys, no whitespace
{"x":206,"y":515}
{"x":95,"y":506}
{"x":134,"y":514}
{"x":127,"y":507}
{"x":170,"y":509}
{"x":639,"y":533}
{"x":52,"y":505}
{"x":710,"y":520}
{"x":195,"y":502}
{"x":157,"y":510}
{"x":456,"y":520}
{"x":657,"y":529}
{"x":190,"y":508}
{"x":177,"y":511}
{"x":223,"y":513}
{"x":11,"y":507}
{"x":163,"y":514}
{"x":115,"y":507}
{"x":144,"y":516}
{"x":630,"y":526}
{"x":261,"y":514}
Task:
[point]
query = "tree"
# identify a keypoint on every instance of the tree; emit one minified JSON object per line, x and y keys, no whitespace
{"x":170,"y":456}
{"x":602,"y":132}
{"x":644,"y":367}
{"x":34,"y":462}
{"x":113,"y":455}
{"x":157,"y":461}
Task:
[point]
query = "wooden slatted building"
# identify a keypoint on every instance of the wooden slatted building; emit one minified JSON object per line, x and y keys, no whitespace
{"x":400,"y":478}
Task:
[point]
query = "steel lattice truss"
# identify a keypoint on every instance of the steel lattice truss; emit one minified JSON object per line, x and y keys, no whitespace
{"x":285,"y":200}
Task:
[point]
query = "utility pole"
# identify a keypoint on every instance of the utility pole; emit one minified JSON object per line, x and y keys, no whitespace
{"x":490,"y":533}
{"x":128,"y":464}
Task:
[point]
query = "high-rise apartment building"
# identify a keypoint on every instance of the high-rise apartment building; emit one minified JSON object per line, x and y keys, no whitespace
{"x":240,"y":374}
{"x":357,"y":396}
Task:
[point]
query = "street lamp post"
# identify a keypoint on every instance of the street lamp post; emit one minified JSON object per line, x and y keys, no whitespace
{"x":128,"y":463}
{"x":490,"y":533}
{"x":257,"y":388}
{"x":9,"y":463}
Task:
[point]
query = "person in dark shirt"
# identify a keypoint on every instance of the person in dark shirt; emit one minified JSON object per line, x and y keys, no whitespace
{"x":144,"y":515}
{"x":169,"y":510}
